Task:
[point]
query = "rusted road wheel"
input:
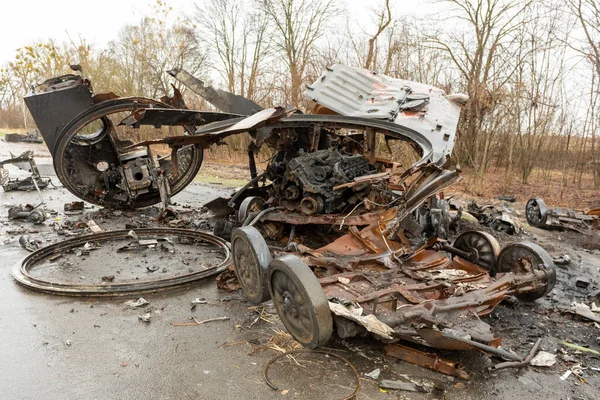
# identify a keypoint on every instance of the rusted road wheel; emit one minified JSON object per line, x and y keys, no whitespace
{"x":483,"y":247}
{"x":518,"y":257}
{"x":251,"y":259}
{"x":250,"y":205}
{"x":536,"y":212}
{"x":89,"y":144}
{"x":300,"y":301}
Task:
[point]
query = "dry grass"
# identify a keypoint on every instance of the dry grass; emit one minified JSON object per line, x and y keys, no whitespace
{"x":282,"y":342}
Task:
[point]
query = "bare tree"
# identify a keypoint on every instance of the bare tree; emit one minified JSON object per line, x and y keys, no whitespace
{"x":298,"y":24}
{"x":477,"y":55}
{"x":384,"y":18}
{"x":587,"y":13}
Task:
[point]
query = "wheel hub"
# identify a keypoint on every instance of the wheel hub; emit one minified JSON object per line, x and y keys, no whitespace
{"x":288,"y":304}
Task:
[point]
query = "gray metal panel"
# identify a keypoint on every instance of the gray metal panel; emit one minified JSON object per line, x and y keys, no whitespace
{"x":358,"y":92}
{"x":52,"y":110}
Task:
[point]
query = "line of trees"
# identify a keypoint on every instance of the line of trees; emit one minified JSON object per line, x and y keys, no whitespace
{"x":531,"y":68}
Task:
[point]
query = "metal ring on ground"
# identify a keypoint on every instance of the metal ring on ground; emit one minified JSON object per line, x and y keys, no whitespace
{"x":328,"y":353}
{"x":21,"y":270}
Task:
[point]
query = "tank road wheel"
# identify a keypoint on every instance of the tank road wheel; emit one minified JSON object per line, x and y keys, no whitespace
{"x":300,"y":301}
{"x":483,"y":247}
{"x":251,"y":259}
{"x":517,"y":256}
{"x":249,"y":205}
{"x":87,"y":145}
{"x":536,"y":212}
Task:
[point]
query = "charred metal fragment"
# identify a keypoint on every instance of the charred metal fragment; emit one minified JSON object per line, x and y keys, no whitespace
{"x":30,"y":137}
{"x":497,"y":219}
{"x":540,"y":216}
{"x":27,"y":163}
{"x":427,"y":360}
{"x":33,"y":214}
{"x":57,"y":101}
{"x":222,"y":100}
{"x":158,"y":117}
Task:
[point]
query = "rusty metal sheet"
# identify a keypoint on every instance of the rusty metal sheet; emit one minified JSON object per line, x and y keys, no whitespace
{"x":427,"y":360}
{"x":359,"y":92}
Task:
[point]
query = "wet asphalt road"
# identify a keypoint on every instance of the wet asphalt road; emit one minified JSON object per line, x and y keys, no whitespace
{"x":68,"y":348}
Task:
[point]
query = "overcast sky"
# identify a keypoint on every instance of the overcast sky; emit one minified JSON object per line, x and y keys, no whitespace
{"x":25,"y":21}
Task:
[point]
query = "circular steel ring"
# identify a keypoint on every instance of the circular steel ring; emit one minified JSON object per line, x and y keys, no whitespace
{"x":484,"y":247}
{"x":300,"y":301}
{"x":512,"y":256}
{"x":251,"y":259}
{"x":536,"y":212}
{"x":21,"y":270}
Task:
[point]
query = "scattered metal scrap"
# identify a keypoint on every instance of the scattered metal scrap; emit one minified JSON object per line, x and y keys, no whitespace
{"x":29,"y":243}
{"x":386,"y":271}
{"x":540,"y":216}
{"x":22,"y":271}
{"x":74,"y":208}
{"x":370,"y":165}
{"x":497,"y":219}
{"x":34,"y":214}
{"x":427,"y":360}
{"x":27,"y":163}
{"x":30,"y":137}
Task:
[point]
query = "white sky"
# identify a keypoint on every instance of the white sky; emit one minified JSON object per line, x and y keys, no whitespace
{"x":24,"y":21}
{"x":98,"y":21}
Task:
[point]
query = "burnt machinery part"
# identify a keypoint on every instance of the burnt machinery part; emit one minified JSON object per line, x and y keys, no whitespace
{"x":251,"y":259}
{"x":37,"y":216}
{"x":300,"y":301}
{"x":536,"y":212}
{"x":311,"y":205}
{"x":310,"y":178}
{"x":190,"y":158}
{"x":22,"y":275}
{"x":522,"y":255}
{"x":251,"y":204}
{"x":483,"y":248}
{"x":33,"y":215}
